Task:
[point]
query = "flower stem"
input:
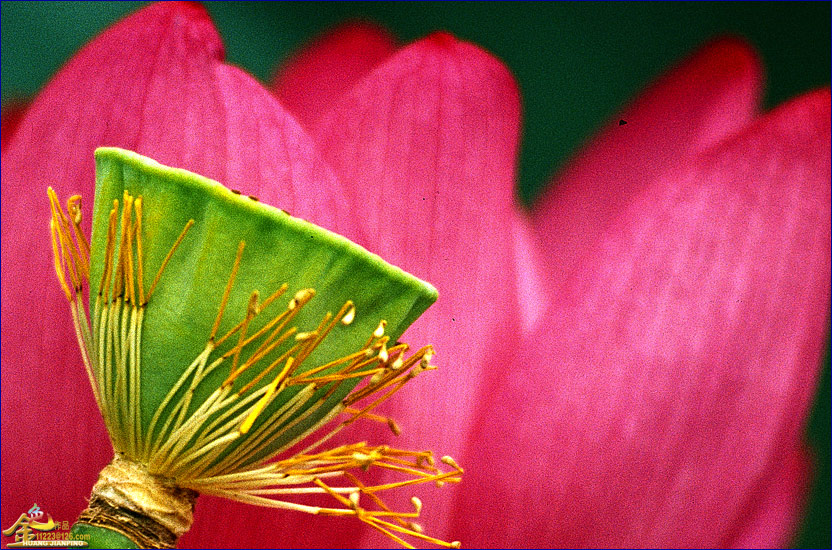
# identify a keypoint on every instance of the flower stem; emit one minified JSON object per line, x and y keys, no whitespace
{"x":130,"y":508}
{"x":101,"y":537}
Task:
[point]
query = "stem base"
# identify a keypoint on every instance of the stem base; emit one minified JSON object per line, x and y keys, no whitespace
{"x":129,"y":503}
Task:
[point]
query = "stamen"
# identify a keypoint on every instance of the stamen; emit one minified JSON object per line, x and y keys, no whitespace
{"x":375,"y":418}
{"x":258,"y":408}
{"x":71,"y":256}
{"x":350,"y":315}
{"x":128,"y":260}
{"x":307,"y":376}
{"x":379,"y":332}
{"x":73,"y":207}
{"x":59,"y":270}
{"x":68,"y":257}
{"x":167,"y":259}
{"x":104,"y":286}
{"x":373,"y":518}
{"x":68,"y":266}
{"x":251,"y":311}
{"x":301,"y":297}
{"x":126,"y":218}
{"x":451,"y":462}
{"x":137,"y":204}
{"x":265,"y":371}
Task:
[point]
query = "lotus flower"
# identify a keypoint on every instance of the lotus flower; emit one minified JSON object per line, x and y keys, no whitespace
{"x":631,"y":363}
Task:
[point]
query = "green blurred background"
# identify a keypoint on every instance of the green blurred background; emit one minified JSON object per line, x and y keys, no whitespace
{"x":576,"y":64}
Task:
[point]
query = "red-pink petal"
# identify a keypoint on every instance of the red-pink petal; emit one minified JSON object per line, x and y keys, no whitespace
{"x":676,"y":362}
{"x":427,"y":143}
{"x":154,"y":83}
{"x":312,"y":80}
{"x":708,"y":97}
{"x":774,"y":511}
{"x":532,"y":281}
{"x":12,"y":115}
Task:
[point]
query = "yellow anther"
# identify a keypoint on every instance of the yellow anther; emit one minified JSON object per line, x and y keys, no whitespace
{"x":257,"y":409}
{"x":417,"y":505}
{"x":450,"y":462}
{"x":383,"y":355}
{"x":349,"y":317}
{"x":73,"y":208}
{"x":253,"y":304}
{"x":424,"y":362}
{"x":398,"y":363}
{"x":304,"y":336}
{"x":301,"y":297}
{"x":287,"y":368}
{"x":394,"y":427}
{"x":379,"y":332}
{"x":365,"y":460}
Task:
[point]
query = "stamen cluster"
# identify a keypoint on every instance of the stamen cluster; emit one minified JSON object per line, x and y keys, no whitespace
{"x":241,"y":441}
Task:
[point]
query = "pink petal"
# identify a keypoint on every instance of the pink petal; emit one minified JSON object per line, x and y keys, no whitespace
{"x":154,"y":83}
{"x":312,"y":80}
{"x":775,"y":509}
{"x":218,"y":523}
{"x":12,"y":115}
{"x":532,"y":280}
{"x":428,"y":144}
{"x":675,"y":363}
{"x":711,"y":95}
